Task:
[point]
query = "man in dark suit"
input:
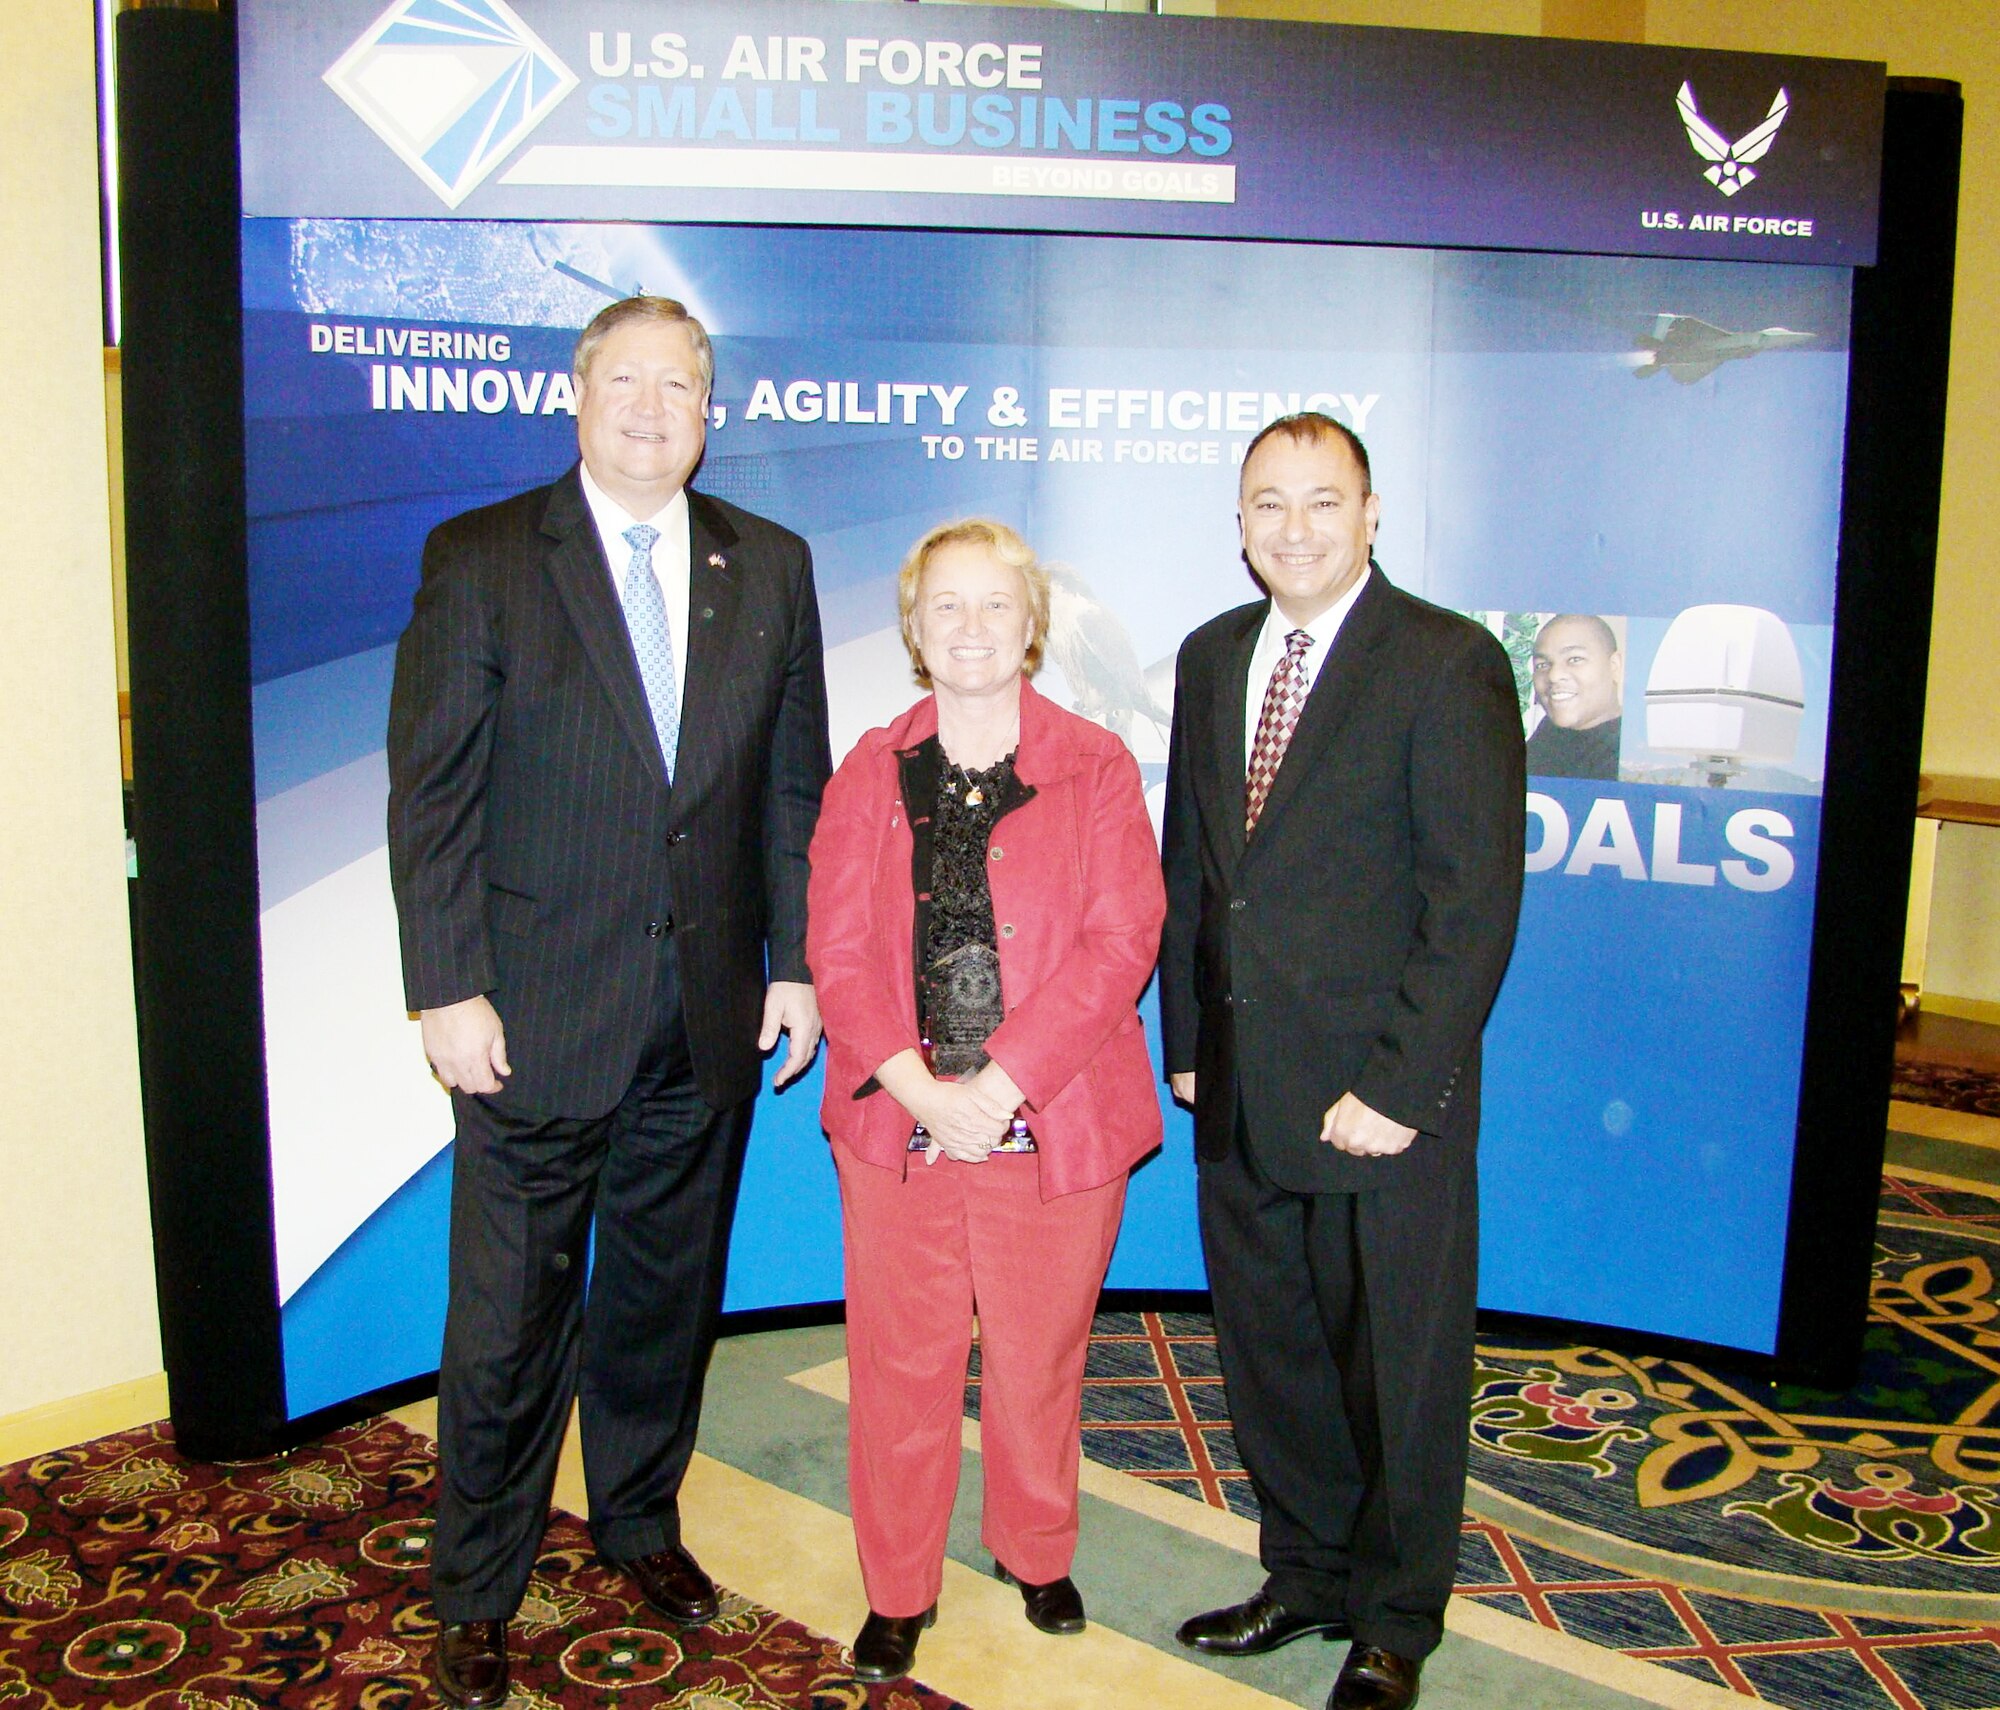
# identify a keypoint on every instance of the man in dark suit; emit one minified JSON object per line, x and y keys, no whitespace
{"x":607,"y":742}
{"x":1343,"y":849}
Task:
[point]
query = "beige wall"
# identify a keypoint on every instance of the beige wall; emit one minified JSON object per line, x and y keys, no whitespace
{"x":1964,"y":949}
{"x":76,"y":1263}
{"x":1505,"y":17}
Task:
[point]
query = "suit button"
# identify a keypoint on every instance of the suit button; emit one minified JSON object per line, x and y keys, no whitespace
{"x":995,"y":852}
{"x":674,"y":837}
{"x":659,"y":928}
{"x":1237,"y":903}
{"x":1007,"y":931}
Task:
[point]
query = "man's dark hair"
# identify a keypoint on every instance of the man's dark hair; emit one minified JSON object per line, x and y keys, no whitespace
{"x":1605,"y":633}
{"x":1309,"y":427}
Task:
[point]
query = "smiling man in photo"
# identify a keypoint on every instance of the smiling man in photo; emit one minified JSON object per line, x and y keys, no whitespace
{"x":1579,"y":674}
{"x":607,"y":742}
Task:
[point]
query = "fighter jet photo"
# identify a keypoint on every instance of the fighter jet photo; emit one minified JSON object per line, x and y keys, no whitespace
{"x":1089,"y":646}
{"x":1691,"y":350}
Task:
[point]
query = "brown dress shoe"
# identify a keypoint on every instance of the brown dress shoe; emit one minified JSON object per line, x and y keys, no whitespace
{"x":1375,"y":1679}
{"x":469,"y":1664}
{"x":671,"y":1580}
{"x":886,"y":1646}
{"x":1056,"y":1607}
{"x":1258,"y":1624}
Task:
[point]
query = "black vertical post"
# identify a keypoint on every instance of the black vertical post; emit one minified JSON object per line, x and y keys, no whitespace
{"x":194,"y":799}
{"x":1900,"y":358}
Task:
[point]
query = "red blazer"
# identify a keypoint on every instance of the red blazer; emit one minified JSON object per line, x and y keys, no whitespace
{"x":1078,"y":903}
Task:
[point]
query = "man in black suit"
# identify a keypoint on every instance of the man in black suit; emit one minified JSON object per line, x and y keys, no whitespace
{"x":607,"y":742}
{"x":1343,"y":850}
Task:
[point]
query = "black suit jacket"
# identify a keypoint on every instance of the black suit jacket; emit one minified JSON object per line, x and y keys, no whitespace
{"x":539,"y":854}
{"x":1356,"y":941}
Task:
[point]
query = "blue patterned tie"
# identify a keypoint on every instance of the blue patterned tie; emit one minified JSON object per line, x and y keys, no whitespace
{"x":652,"y":640}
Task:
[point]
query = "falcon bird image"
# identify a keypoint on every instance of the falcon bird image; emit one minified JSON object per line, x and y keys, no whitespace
{"x":1089,"y":645}
{"x":1731,"y":170}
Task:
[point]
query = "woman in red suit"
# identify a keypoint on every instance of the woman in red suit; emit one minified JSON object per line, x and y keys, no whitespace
{"x":985,"y":910}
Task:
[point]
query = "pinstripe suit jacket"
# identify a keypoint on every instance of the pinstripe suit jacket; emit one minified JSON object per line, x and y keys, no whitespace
{"x":539,"y":854}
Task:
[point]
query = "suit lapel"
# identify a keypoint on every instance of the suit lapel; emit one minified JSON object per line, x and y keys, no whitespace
{"x":715,"y":590}
{"x":583,"y":580}
{"x":1335,"y":693}
{"x":1222,"y":779}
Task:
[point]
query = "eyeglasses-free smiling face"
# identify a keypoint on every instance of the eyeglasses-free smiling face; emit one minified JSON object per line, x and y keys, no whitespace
{"x":972,"y":620}
{"x":641,"y":417}
{"x":1308,"y":521}
{"x":1579,"y":673}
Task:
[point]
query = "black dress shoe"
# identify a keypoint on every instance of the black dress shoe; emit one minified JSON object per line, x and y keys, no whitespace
{"x":1249,"y":1629}
{"x":469,"y":1663}
{"x":671,"y":1580}
{"x":886,"y":1646}
{"x":1056,"y":1607}
{"x":1373,"y":1679}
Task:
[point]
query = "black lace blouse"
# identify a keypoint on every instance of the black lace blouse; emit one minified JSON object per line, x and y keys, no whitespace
{"x":959,"y":981}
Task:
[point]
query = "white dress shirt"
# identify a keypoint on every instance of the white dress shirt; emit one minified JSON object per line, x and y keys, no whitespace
{"x":671,"y":557}
{"x":1270,"y":650}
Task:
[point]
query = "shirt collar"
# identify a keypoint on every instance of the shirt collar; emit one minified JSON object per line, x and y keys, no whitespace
{"x":613,"y":519}
{"x":1324,"y":628}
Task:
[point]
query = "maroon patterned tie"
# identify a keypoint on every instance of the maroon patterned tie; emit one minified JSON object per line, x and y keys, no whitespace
{"x":1284,"y":700}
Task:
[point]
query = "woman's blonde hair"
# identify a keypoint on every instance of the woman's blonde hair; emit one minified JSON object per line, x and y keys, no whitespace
{"x":1005,"y":545}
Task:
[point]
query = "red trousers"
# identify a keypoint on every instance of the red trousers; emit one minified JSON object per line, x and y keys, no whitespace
{"x":922,"y":1254}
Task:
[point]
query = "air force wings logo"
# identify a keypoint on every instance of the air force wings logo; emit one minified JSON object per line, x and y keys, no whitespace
{"x":451,"y":86}
{"x":1731,"y":170}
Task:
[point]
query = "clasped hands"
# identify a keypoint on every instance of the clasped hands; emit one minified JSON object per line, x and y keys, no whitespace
{"x":965,"y":1119}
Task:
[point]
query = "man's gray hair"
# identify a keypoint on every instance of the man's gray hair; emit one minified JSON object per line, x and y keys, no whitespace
{"x":664,"y":309}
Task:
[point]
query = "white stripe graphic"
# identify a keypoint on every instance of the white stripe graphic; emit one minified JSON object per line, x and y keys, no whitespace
{"x":629,"y":167}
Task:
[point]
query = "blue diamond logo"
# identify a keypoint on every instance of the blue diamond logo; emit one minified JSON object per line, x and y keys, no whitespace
{"x":451,"y":86}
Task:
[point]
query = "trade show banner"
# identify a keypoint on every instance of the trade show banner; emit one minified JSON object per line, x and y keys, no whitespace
{"x":800,"y":111}
{"x":1626,"y":465}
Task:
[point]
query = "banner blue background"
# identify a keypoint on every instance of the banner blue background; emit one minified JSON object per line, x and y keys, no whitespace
{"x":1643,"y":1060}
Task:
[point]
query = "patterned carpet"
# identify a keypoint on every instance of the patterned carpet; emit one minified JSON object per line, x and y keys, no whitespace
{"x":1828,"y":1552}
{"x":132,"y":1578}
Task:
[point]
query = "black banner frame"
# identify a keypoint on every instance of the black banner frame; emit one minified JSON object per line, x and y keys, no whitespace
{"x":1891,"y":494}
{"x":196,"y":954}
